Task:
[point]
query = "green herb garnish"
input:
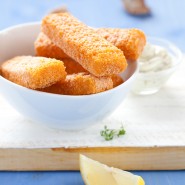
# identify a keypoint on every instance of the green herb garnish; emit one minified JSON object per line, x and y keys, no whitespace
{"x":109,"y":134}
{"x":121,"y":131}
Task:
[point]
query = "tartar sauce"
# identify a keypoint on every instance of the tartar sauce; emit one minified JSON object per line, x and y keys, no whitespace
{"x":155,"y":67}
{"x":154,"y":58}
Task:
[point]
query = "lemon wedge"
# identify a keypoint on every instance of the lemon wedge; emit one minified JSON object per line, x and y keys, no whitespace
{"x":96,"y":173}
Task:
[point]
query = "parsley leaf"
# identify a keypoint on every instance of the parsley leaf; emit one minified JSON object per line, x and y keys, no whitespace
{"x":110,"y":134}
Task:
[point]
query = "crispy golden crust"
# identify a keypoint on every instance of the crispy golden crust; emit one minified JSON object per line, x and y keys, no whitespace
{"x":33,"y":72}
{"x":117,"y":80}
{"x":130,"y":41}
{"x":45,"y":48}
{"x":80,"y":84}
{"x":72,"y":66}
{"x":84,"y":45}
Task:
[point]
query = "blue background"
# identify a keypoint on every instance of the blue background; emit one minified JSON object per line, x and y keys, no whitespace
{"x":166,"y":21}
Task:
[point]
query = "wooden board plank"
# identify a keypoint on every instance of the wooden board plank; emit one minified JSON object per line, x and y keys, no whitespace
{"x":129,"y":158}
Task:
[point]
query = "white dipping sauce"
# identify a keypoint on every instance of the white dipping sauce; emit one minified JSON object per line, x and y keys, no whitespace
{"x":155,"y":66}
{"x":154,"y":58}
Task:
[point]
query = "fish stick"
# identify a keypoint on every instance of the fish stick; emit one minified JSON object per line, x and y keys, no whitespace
{"x":33,"y":72}
{"x":80,"y":84}
{"x":130,"y":41}
{"x":84,"y":45}
{"x":45,"y":48}
{"x":72,"y":67}
{"x":117,"y":80}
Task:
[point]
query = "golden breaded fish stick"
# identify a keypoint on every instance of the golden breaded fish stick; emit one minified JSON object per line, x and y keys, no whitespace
{"x":130,"y":41}
{"x":117,"y":80}
{"x":45,"y":48}
{"x":80,"y":84}
{"x":72,"y":66}
{"x":33,"y":72}
{"x":84,"y":45}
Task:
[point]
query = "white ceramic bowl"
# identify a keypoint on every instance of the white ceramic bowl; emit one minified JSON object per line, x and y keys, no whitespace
{"x":151,"y":82}
{"x":57,"y":111}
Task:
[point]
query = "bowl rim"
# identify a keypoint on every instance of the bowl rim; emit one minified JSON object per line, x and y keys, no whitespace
{"x":176,"y":49}
{"x":20,"y":25}
{"x":37,"y":23}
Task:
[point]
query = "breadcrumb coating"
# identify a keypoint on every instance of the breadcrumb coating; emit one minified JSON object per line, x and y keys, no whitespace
{"x":84,"y":45}
{"x":72,"y":66}
{"x":117,"y":80}
{"x":33,"y":72}
{"x":130,"y":41}
{"x":45,"y":48}
{"x":80,"y":84}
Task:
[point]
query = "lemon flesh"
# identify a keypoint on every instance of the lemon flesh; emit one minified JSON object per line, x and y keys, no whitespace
{"x":126,"y":178}
{"x":95,"y":173}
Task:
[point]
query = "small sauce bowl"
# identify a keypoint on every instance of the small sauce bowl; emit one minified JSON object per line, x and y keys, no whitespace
{"x":151,"y":82}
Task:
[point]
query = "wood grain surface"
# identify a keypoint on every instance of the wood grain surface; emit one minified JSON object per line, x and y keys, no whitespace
{"x":128,"y":158}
